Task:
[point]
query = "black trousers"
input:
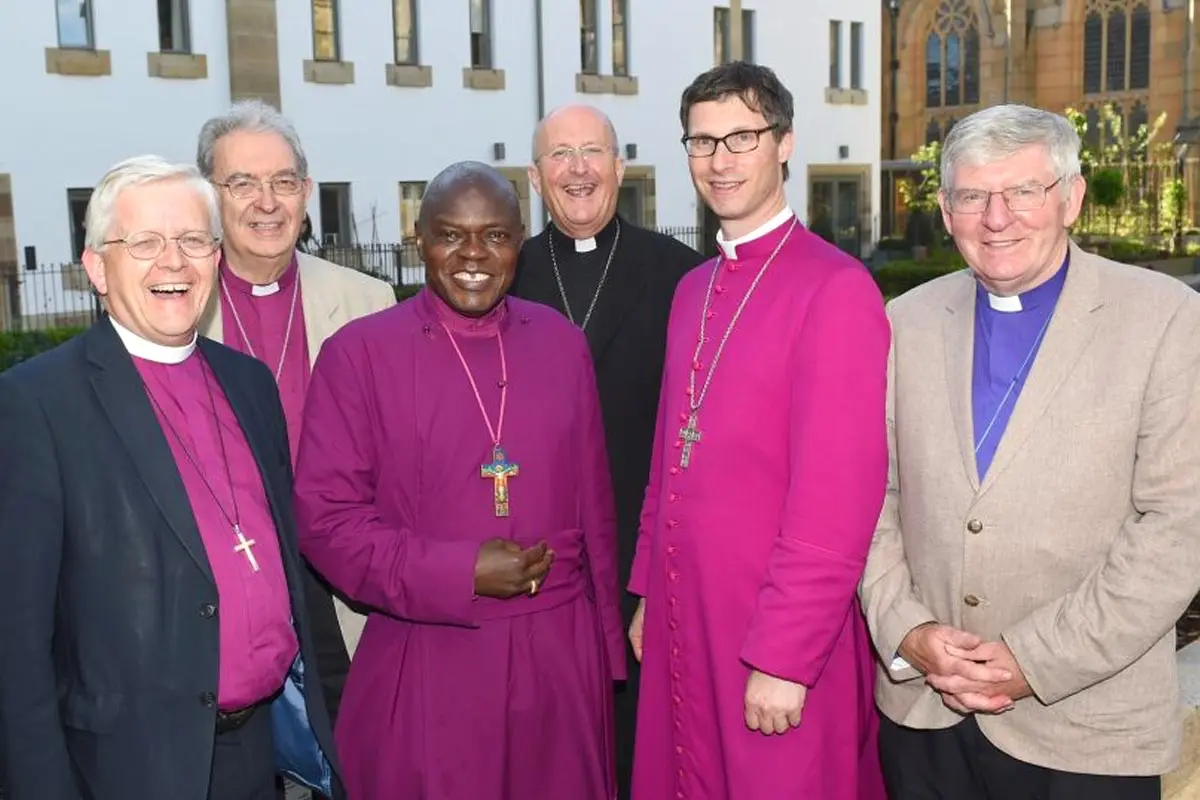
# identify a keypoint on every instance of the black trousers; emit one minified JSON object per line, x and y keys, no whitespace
{"x":626,"y":724}
{"x":243,"y":765}
{"x":959,"y":763}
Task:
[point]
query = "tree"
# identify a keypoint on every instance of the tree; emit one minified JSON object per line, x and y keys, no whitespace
{"x":920,"y":194}
{"x":1106,"y":189}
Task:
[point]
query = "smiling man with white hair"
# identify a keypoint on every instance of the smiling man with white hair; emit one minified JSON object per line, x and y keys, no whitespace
{"x":1038,"y":542}
{"x":151,"y":581}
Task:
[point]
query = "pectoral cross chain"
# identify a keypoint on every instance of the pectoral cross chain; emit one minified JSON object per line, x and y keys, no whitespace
{"x":690,"y":434}
{"x":244,"y":546}
{"x":500,"y":470}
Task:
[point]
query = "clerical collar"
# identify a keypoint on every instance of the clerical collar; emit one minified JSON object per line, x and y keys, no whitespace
{"x":1026,"y":301}
{"x":730,"y":246}
{"x":240,"y":284}
{"x":152,"y":351}
{"x":592,"y":242}
{"x":441,"y":311}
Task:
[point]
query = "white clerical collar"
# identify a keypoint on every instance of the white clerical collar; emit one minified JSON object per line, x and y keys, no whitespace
{"x":1008,"y":305}
{"x":730,"y":246}
{"x":265,"y":289}
{"x":151,"y":351}
{"x":585,"y":245}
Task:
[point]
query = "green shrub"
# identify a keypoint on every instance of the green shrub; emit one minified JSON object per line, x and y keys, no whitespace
{"x":406,"y":290}
{"x":18,"y":346}
{"x":897,"y":277}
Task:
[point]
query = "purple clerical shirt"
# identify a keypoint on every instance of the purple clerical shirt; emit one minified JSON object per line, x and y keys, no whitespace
{"x":261,"y":321}
{"x":257,"y":641}
{"x":1009,"y":331}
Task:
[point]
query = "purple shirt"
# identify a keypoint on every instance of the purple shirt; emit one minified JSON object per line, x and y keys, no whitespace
{"x":257,"y":641}
{"x":264,"y":316}
{"x":1006,"y":347}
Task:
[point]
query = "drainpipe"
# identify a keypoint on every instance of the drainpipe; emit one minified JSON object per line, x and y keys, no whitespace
{"x":1188,"y":48}
{"x":1007,"y":45}
{"x":540,"y":67}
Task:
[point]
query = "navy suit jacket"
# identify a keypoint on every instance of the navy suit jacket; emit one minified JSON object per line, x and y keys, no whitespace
{"x":108,"y":640}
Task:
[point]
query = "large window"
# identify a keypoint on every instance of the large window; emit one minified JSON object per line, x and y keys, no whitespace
{"x":952,"y":56}
{"x":1116,"y":46}
{"x":75,"y":24}
{"x":589,"y":50}
{"x":481,"y":34}
{"x":620,"y":37}
{"x":174,"y":35}
{"x":326,"y":46}
{"x":404,"y":22}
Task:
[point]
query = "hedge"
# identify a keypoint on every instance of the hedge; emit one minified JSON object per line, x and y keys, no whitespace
{"x":897,"y":277}
{"x":17,"y":346}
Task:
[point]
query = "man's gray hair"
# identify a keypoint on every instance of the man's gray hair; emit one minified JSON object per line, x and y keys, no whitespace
{"x":139,"y":171}
{"x":252,"y":116}
{"x":1001,"y":131}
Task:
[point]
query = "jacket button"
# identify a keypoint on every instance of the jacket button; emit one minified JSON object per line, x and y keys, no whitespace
{"x":208,"y":610}
{"x":971,"y":600}
{"x":208,"y":699}
{"x":975,"y":526}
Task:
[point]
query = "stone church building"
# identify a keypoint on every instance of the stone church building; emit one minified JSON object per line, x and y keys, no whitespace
{"x":943,"y":59}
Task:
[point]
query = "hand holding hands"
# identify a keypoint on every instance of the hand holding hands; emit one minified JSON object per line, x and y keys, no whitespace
{"x":504,"y":569}
{"x":971,"y":675}
{"x":773,"y":705}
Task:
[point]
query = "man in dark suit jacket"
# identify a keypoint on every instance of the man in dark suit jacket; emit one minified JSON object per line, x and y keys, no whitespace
{"x":145,"y":642}
{"x":616,"y":281}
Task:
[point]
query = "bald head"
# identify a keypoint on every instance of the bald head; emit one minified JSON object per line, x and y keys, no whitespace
{"x":570,"y":117}
{"x":464,"y":177}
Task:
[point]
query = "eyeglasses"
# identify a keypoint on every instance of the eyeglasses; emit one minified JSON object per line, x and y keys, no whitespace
{"x":1027,"y":197}
{"x":590,"y":152}
{"x":736,"y":142}
{"x":283,"y":185}
{"x":148,"y":245}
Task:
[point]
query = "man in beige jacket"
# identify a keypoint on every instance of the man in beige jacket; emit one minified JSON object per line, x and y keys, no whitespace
{"x":271,"y":300}
{"x":1041,"y":533}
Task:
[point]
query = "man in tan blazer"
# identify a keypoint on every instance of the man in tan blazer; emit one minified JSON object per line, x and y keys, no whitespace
{"x":1041,"y":533}
{"x":271,"y":300}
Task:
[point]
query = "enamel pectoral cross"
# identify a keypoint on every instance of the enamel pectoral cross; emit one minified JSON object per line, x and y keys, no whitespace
{"x":690,"y":434}
{"x":244,"y":546}
{"x":500,"y":470}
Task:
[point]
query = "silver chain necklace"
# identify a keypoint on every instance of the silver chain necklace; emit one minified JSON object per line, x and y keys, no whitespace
{"x":603,"y":276}
{"x":690,"y":433}
{"x":287,"y":335}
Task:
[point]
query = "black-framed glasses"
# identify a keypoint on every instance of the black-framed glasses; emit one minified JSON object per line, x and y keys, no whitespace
{"x":1026,"y":197}
{"x":242,"y":187}
{"x":148,"y":245}
{"x":736,"y":142}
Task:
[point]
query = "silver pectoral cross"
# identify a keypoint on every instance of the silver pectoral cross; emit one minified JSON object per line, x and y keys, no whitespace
{"x":690,"y":434}
{"x":244,"y":546}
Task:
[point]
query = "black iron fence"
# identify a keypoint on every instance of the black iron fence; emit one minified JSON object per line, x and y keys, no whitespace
{"x":60,"y":296}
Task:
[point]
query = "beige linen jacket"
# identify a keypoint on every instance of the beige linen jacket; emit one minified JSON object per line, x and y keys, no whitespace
{"x":331,"y":296}
{"x":1081,"y":547}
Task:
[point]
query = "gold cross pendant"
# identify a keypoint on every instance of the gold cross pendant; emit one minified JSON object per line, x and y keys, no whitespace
{"x":500,"y":470}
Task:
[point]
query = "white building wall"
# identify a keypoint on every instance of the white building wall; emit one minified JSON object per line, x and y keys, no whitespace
{"x":68,"y":130}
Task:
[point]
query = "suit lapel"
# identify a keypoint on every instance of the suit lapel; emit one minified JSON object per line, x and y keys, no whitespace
{"x":958,"y":334}
{"x":122,"y":396}
{"x":1071,"y":330}
{"x":319,"y":300}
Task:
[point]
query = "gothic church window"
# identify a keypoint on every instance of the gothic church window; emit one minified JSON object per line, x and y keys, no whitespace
{"x":1116,"y":46}
{"x":952,"y":56}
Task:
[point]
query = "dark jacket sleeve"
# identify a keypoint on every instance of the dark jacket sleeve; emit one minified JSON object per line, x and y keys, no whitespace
{"x":34,"y":764}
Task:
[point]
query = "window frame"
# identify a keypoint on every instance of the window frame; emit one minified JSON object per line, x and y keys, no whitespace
{"x":89,"y":27}
{"x":835,"y":54}
{"x":414,"y":43}
{"x":334,"y":34}
{"x":620,"y":38}
{"x":486,"y":59}
{"x":183,"y":9}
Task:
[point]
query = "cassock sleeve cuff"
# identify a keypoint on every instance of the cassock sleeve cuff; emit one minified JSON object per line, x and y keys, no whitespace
{"x":443,"y":584}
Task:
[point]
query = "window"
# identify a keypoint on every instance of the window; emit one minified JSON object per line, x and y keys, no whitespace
{"x":835,"y":54}
{"x":952,"y":56}
{"x":411,"y":193}
{"x":336,"y":222}
{"x":75,"y":24}
{"x":77,"y":202}
{"x":404,"y":22}
{"x":481,"y":34}
{"x":620,"y":37}
{"x":325,"y":31}
{"x":856,"y":55}
{"x":174,"y":35}
{"x":589,"y":52}
{"x":723,"y":44}
{"x":1116,"y":46}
